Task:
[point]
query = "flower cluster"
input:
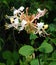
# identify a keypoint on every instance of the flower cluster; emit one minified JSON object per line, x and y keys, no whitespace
{"x":23,"y":21}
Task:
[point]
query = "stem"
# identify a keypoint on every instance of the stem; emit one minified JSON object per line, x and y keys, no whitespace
{"x":36,"y":49}
{"x":15,"y":41}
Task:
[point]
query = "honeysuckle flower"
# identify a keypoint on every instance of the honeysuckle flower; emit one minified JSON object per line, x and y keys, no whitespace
{"x":40,"y":13}
{"x":39,"y":10}
{"x":23,"y":23}
{"x":41,"y":29}
{"x":18,"y":11}
{"x":14,"y":21}
{"x":15,"y":12}
{"x":21,"y":8}
{"x":12,"y":18}
{"x":28,"y":22}
{"x":40,"y":25}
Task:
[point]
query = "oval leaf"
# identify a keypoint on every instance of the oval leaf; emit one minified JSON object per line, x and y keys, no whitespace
{"x":45,"y":47}
{"x":7,"y":55}
{"x":26,"y":50}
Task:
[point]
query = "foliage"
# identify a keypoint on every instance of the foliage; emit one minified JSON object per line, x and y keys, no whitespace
{"x":45,"y":47}
{"x":26,"y":50}
{"x":34,"y":62}
{"x":23,"y":48}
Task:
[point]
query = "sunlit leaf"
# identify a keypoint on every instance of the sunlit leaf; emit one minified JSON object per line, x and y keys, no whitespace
{"x":45,"y":47}
{"x":26,"y":50}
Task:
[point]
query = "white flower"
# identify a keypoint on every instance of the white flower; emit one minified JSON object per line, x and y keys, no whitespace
{"x":15,"y":12}
{"x":40,"y":13}
{"x":14,"y":22}
{"x":39,"y":10}
{"x":21,"y":8}
{"x":23,"y":23}
{"x":40,"y":25}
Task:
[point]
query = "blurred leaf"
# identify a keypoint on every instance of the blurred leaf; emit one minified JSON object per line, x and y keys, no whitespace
{"x":34,"y":62}
{"x":0,"y":48}
{"x":5,"y":2}
{"x":33,"y":36}
{"x":1,"y":43}
{"x":26,"y":50}
{"x":15,"y":56}
{"x":2,"y":64}
{"x":54,"y":55}
{"x":50,"y":5}
{"x":45,"y":47}
{"x":54,"y":40}
{"x":54,"y":19}
{"x":23,"y":63}
{"x":41,"y":62}
{"x":10,"y":62}
{"x":52,"y":27}
{"x":7,"y":55}
{"x":52,"y":63}
{"x":32,"y":42}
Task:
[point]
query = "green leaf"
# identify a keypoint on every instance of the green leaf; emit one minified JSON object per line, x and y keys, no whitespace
{"x":45,"y":47}
{"x":52,"y":27}
{"x":26,"y":50}
{"x":34,"y":62}
{"x":10,"y":62}
{"x":7,"y":55}
{"x":15,"y":56}
{"x":54,"y":40}
{"x":5,"y":2}
{"x":41,"y":62}
{"x":54,"y":54}
{"x":52,"y":63}
{"x":1,"y":43}
{"x":54,"y":19}
{"x":33,"y":36}
{"x":2,"y":64}
{"x":32,"y":42}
